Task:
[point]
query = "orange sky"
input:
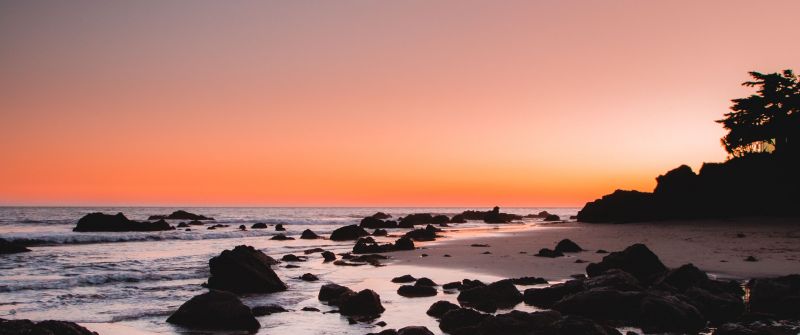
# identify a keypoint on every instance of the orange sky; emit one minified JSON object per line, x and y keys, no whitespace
{"x":346,"y":103}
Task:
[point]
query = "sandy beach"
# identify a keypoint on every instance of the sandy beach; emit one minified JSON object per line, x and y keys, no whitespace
{"x":715,"y":246}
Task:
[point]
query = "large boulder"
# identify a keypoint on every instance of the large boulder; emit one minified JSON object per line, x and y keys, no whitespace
{"x":566,"y":245}
{"x":180,"y":215}
{"x":348,"y":233}
{"x":404,"y":243}
{"x":547,"y":296}
{"x":716,"y":306}
{"x":364,"y":303}
{"x":461,"y":319}
{"x":49,"y":327}
{"x":9,"y":247}
{"x":244,"y":270}
{"x":414,"y":330}
{"x":333,"y":293}
{"x":575,"y":325}
{"x":308,"y":234}
{"x":415,"y":291}
{"x":666,"y":313}
{"x":602,"y":303}
{"x":636,"y":259}
{"x":518,"y":322}
{"x":778,"y":296}
{"x":94,"y":222}
{"x":441,"y":307}
{"x":620,"y":207}
{"x":501,"y":293}
{"x":215,"y":310}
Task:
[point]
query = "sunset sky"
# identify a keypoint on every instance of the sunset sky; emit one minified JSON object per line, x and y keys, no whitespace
{"x":377,"y":103}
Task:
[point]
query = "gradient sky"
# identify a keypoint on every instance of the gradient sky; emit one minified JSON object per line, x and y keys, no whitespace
{"x":461,"y":103}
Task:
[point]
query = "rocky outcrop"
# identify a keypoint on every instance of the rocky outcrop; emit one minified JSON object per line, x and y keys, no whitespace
{"x":348,"y":233}
{"x":281,"y":237}
{"x":368,"y":245}
{"x":96,"y":222}
{"x":215,"y":310}
{"x":9,"y":247}
{"x":372,"y":223}
{"x":411,"y":220}
{"x":244,"y":270}
{"x":180,"y":215}
{"x":426,"y":234}
{"x":552,"y":217}
{"x":636,"y":259}
{"x":49,"y":327}
{"x":381,"y":216}
{"x":308,"y":234}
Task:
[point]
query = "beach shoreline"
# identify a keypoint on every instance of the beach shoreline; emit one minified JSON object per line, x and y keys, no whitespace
{"x":718,"y":247}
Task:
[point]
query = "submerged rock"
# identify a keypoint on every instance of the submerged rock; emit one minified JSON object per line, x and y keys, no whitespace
{"x":215,"y":310}
{"x":281,"y":237}
{"x":364,"y":303}
{"x":8,"y":247}
{"x":180,"y":215}
{"x":259,"y":225}
{"x":244,"y":270}
{"x":117,"y":223}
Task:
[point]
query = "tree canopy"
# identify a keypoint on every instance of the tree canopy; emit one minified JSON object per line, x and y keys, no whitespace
{"x":768,"y":121}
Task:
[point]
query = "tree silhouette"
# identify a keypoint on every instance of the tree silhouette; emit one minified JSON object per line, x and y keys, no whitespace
{"x":768,"y":121}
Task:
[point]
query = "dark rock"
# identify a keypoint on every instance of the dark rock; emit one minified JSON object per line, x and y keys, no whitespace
{"x":309,"y":309}
{"x":518,"y":322}
{"x":501,"y":293}
{"x":292,"y":266}
{"x":751,"y":259}
{"x":196,"y":223}
{"x":425,"y":282}
{"x":293,"y":258}
{"x":281,"y":237}
{"x":440,"y":219}
{"x":458,"y":218}
{"x":117,"y":223}
{"x":717,"y":307}
{"x":552,"y":217}
{"x":614,"y":279}
{"x":308,"y":235}
{"x":259,"y":226}
{"x":461,"y":319}
{"x":180,"y":215}
{"x":404,"y":279}
{"x":380,"y":232}
{"x":328,"y":256}
{"x":413,"y":291}
{"x":49,"y":327}
{"x":215,"y":310}
{"x":666,"y":313}
{"x":468,"y":284}
{"x":345,"y":263}
{"x":547,"y":296}
{"x":576,"y":325}
{"x":309,"y":277}
{"x":244,"y":270}
{"x":441,"y":307}
{"x":242,"y":227}
{"x":755,"y":328}
{"x":524,"y":281}
{"x":426,"y":234}
{"x":372,"y":223}
{"x":366,"y":245}
{"x":545,"y":252}
{"x":332,"y":293}
{"x":636,"y":259}
{"x":371,"y":259}
{"x":279,"y":227}
{"x":494,"y":216}
{"x":8,"y":247}
{"x":313,"y":251}
{"x":566,"y":245}
{"x":347,"y":233}
{"x":602,"y":303}
{"x":381,"y":216}
{"x":778,"y":296}
{"x":404,"y":243}
{"x":486,"y":253}
{"x":411,"y":220}
{"x":183,"y":225}
{"x":267,"y":310}
{"x":540,"y":215}
{"x":478,"y":245}
{"x":620,"y":207}
{"x":414,"y":330}
{"x":683,"y":277}
{"x":456,"y":285}
{"x":601,"y":251}
{"x":364,"y":303}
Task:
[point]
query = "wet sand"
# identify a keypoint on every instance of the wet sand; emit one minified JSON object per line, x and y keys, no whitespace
{"x":714,"y":246}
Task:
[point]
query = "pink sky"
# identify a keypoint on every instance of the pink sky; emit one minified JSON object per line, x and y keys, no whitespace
{"x":473,"y":103}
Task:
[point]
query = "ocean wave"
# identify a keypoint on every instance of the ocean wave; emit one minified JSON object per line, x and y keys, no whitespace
{"x":94,"y":280}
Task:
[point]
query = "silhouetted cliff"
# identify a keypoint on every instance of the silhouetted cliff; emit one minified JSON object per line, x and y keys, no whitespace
{"x":752,"y":185}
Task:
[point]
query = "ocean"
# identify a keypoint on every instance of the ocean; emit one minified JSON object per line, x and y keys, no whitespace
{"x":130,"y":282}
